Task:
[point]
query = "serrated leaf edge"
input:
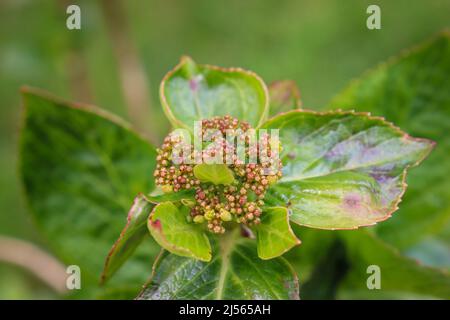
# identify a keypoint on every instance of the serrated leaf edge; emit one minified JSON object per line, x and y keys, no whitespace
{"x":404,"y":135}
{"x":290,"y":231}
{"x":189,"y":253}
{"x":140,"y":196}
{"x":178,"y":123}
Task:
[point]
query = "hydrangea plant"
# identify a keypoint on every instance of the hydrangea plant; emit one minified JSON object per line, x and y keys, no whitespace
{"x":223,"y":228}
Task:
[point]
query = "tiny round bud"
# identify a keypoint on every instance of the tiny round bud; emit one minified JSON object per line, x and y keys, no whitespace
{"x":240,"y":201}
{"x":201,"y":195}
{"x":188,"y":202}
{"x":225,"y":215}
{"x":167,"y":188}
{"x":209,"y":215}
{"x":272,"y":179}
{"x":199,"y":219}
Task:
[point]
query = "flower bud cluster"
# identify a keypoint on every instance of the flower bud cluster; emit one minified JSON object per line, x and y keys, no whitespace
{"x":215,"y":205}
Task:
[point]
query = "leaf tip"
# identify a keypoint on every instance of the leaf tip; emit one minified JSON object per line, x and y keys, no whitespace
{"x":186,"y":59}
{"x":24,"y":89}
{"x":206,"y":258}
{"x":103,"y":279}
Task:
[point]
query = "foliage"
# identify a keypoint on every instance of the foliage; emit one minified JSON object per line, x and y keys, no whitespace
{"x":342,"y":170}
{"x":412,"y":91}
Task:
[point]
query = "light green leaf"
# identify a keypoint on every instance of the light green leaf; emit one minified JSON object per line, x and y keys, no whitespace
{"x":235,"y":272}
{"x":170,"y":228}
{"x":274,"y":235}
{"x":81,"y":168}
{"x":284,"y":96}
{"x":398,"y":274}
{"x":214,"y":173}
{"x":413,"y":91}
{"x":135,"y":231}
{"x":342,"y":170}
{"x":193,"y":92}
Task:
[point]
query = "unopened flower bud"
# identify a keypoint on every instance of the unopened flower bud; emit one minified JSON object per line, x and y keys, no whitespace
{"x":167,"y":188}
{"x":199,"y":219}
{"x":188,"y":202}
{"x":225,"y":215}
{"x":272,"y":179}
{"x":209,"y":215}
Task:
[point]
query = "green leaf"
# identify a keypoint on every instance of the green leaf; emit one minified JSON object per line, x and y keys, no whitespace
{"x":315,"y":248}
{"x":342,"y":170}
{"x":235,"y":272}
{"x":135,"y":231}
{"x":170,"y":228}
{"x":193,"y":92}
{"x":170,"y":196}
{"x":412,"y":90}
{"x":431,"y":251}
{"x":214,"y":173}
{"x":274,"y":235}
{"x":131,"y":236}
{"x":398,"y":274}
{"x":330,"y":268}
{"x":284,"y":96}
{"x":81,"y":168}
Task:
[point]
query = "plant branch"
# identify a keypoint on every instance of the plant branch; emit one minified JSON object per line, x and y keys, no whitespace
{"x":35,"y":260}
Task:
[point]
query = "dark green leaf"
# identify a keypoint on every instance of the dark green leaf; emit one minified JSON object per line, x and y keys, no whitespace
{"x":314,"y":249}
{"x":432,"y":251}
{"x":413,"y":91}
{"x":398,"y":274}
{"x":160,"y":196}
{"x":274,"y":235}
{"x":131,"y":236}
{"x":235,"y":272}
{"x":330,"y":269}
{"x":193,"y":92}
{"x":342,"y":170}
{"x":81,"y":168}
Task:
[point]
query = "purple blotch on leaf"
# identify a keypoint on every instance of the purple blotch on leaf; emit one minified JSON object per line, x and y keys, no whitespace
{"x":352,"y":201}
{"x":194,"y":83}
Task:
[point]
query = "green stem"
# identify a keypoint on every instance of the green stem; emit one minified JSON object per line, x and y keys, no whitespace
{"x":226,"y":243}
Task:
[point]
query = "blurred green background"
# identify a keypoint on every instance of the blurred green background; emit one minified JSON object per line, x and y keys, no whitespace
{"x":124,"y":48}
